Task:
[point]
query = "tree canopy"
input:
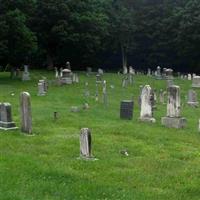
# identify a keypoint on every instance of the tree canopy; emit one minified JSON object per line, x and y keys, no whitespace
{"x":101,"y":33}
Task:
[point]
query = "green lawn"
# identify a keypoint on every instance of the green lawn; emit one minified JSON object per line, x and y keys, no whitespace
{"x":162,"y":163}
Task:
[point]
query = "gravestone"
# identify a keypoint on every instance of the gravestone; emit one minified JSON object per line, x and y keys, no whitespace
{"x":6,"y":122}
{"x":26,"y":74}
{"x":146,"y":112}
{"x":41,"y":91}
{"x":173,"y":118}
{"x":88,"y":71}
{"x":192,"y":99}
{"x":100,"y":71}
{"x":68,"y":66}
{"x":149,"y":72}
{"x":85,"y":144}
{"x":66,"y":77}
{"x":170,"y":82}
{"x":158,"y":73}
{"x":189,"y":77}
{"x":196,"y":82}
{"x":126,"y":109}
{"x":26,"y":118}
{"x":56,"y":73}
{"x":169,"y":74}
{"x":98,"y":78}
{"x":105,"y":99}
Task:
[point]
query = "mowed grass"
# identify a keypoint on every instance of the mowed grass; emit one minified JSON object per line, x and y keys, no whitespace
{"x":163,"y":163}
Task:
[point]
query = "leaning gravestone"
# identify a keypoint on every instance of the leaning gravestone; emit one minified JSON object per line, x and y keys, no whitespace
{"x":192,"y":99}
{"x":26,"y":118}
{"x":6,"y":122}
{"x":85,"y":144}
{"x":173,"y":118}
{"x":146,"y":113}
{"x":126,"y":109}
{"x":196,"y":82}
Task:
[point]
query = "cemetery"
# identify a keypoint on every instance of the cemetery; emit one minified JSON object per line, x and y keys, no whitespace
{"x":99,"y":100}
{"x":111,"y":144}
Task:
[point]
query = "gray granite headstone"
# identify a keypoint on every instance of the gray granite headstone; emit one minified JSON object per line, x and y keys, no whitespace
{"x":6,"y":122}
{"x":192,"y":99}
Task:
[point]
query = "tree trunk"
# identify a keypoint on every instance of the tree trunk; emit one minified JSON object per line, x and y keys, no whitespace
{"x":50,"y":65}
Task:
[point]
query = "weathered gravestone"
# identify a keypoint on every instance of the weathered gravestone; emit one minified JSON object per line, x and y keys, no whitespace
{"x":26,"y":74}
{"x":105,"y":98}
{"x":66,"y":77}
{"x":146,"y":113}
{"x":6,"y":122}
{"x":41,"y":91}
{"x":126,"y":109}
{"x":196,"y":82}
{"x":192,"y":99}
{"x":26,"y":118}
{"x":85,"y":144}
{"x":173,"y":118}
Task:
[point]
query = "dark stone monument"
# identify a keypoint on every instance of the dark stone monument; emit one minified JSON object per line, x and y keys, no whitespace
{"x":126,"y":109}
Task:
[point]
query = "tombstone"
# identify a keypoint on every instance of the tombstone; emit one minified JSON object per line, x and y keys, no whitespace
{"x":45,"y":85}
{"x":146,"y":113}
{"x":153,"y":98}
{"x":76,"y":78}
{"x":149,"y":72}
{"x":88,"y":71}
{"x":158,"y":73}
{"x":26,"y":118}
{"x":98,"y":78}
{"x":66,"y":77}
{"x":6,"y":122}
{"x":169,"y":74}
{"x":100,"y":71}
{"x":85,"y":144}
{"x":131,"y":70}
{"x":192,"y":99}
{"x":68,"y":66}
{"x":86,"y":92}
{"x":61,"y":72}
{"x":26,"y":75}
{"x":125,"y":81}
{"x":173,"y":118}
{"x":41,"y":91}
{"x":56,"y":73}
{"x":196,"y":82}
{"x":189,"y":77}
{"x":126,"y":109}
{"x":164,"y":73}
{"x":105,"y":99}
{"x":97,"y":92}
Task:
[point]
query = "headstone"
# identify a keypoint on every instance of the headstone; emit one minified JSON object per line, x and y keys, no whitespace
{"x":126,"y":109}
{"x":66,"y":77}
{"x":6,"y":122}
{"x":56,"y":73}
{"x":149,"y":72}
{"x":105,"y":98}
{"x":158,"y":73}
{"x":41,"y":91}
{"x":98,"y":78}
{"x":88,"y":71}
{"x":131,"y":70}
{"x":196,"y":82}
{"x":189,"y":77}
{"x":100,"y":71}
{"x":86,"y":92}
{"x":192,"y":99}
{"x":146,"y":113}
{"x":169,"y":74}
{"x":170,"y":82}
{"x":85,"y":144}
{"x":26,"y":118}
{"x":26,"y":75}
{"x":68,"y":66}
{"x":173,"y":118}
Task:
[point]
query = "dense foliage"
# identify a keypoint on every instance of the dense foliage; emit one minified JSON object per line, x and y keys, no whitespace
{"x":105,"y":33}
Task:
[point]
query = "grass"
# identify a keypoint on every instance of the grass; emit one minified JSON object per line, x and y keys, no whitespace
{"x":163,"y":163}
